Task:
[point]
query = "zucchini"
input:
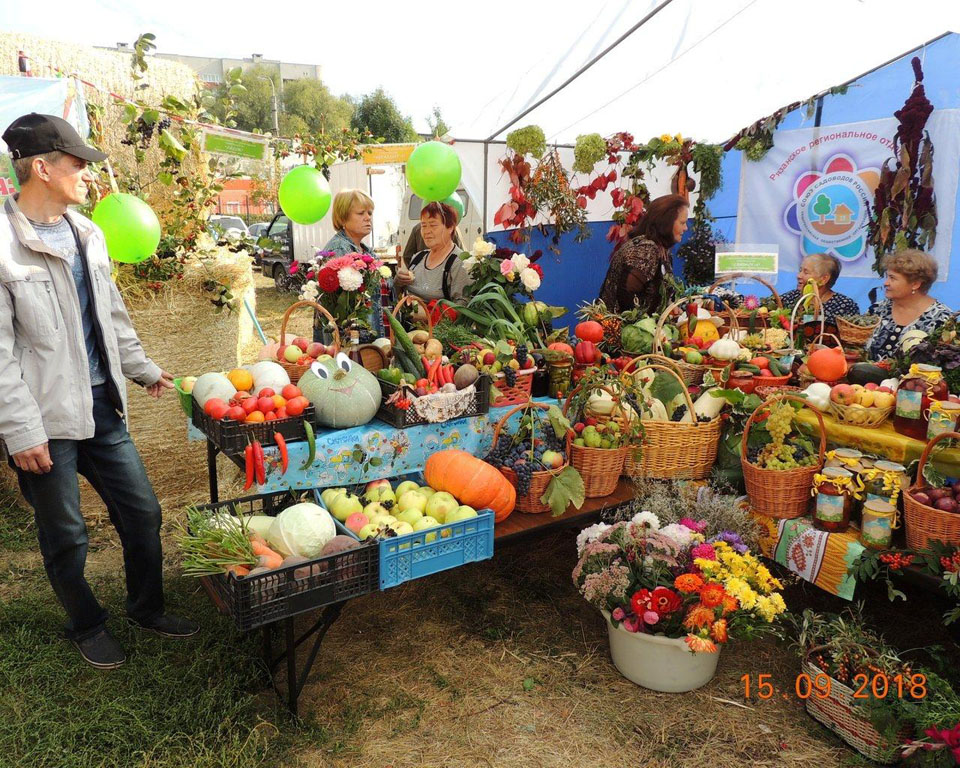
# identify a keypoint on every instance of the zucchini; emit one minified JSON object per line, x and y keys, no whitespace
{"x":405,"y":363}
{"x":775,"y":368}
{"x":866,"y":373}
{"x":403,"y":340}
{"x":747,"y":367}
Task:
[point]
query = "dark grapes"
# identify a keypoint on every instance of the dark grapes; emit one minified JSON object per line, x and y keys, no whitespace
{"x":511,"y":376}
{"x":522,"y":355}
{"x":678,"y":413}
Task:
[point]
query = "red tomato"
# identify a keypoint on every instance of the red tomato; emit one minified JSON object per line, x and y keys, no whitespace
{"x":291,"y":391}
{"x":249,"y":405}
{"x":236,"y":413}
{"x":265,"y":403}
{"x":296,"y":406}
{"x":213,"y":402}
{"x":219,"y":409}
{"x":266,"y":392}
{"x":281,"y":413}
{"x":270,"y":416}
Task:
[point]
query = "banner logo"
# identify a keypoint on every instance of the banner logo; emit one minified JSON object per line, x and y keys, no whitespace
{"x":830,"y":208}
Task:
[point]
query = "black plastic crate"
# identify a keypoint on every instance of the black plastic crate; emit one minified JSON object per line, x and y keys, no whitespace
{"x":279,"y":594}
{"x":232,"y":437}
{"x":401,"y":419}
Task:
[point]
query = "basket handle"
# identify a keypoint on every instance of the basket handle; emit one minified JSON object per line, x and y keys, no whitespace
{"x":746,"y":276}
{"x":660,"y":359}
{"x":317,"y":307}
{"x":816,"y":340}
{"x":409,"y":298}
{"x":657,"y":344}
{"x":522,"y":407}
{"x":924,"y":457}
{"x":802,"y":302}
{"x":775,"y":398}
{"x":683,"y":386}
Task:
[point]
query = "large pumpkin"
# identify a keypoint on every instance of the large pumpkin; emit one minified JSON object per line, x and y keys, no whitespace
{"x":827,"y":364}
{"x":344,"y":394}
{"x":471,"y":481}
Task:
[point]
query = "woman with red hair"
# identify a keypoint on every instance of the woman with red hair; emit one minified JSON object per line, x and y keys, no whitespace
{"x":638,"y":265}
{"x":437,"y":272}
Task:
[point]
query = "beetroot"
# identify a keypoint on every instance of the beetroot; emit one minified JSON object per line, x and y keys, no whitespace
{"x":921,"y":498}
{"x":946,"y":504}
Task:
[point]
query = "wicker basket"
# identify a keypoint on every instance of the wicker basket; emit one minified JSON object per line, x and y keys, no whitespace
{"x":530,"y":502}
{"x":675,"y":449}
{"x":732,"y":316}
{"x":861,"y":416}
{"x":774,"y":382}
{"x":924,"y":523}
{"x":854,"y":335}
{"x":293,"y":370}
{"x":692,"y":375}
{"x":780,"y":493}
{"x":409,"y":298}
{"x":839,"y":711}
{"x":765,"y":391}
{"x":600,"y":468}
{"x":370,"y":356}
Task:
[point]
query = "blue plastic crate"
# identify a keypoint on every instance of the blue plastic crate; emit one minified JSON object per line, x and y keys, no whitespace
{"x":411,"y":556}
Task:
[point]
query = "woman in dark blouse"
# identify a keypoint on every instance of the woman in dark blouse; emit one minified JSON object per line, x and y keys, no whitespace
{"x":824,"y":270}
{"x":638,"y":265}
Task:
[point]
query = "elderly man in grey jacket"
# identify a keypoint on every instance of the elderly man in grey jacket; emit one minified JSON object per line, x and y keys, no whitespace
{"x":66,"y":346}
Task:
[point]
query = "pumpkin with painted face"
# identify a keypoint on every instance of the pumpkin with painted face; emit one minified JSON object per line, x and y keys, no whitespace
{"x":344,"y":393}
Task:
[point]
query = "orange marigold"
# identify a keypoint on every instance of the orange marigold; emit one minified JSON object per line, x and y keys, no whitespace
{"x":688,"y":582}
{"x":719,"y":631}
{"x":698,"y":617}
{"x":712,"y":595}
{"x":700,"y":644}
{"x":730,"y":604}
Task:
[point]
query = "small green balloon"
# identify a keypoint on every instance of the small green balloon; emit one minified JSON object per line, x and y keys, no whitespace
{"x":433,"y":171}
{"x":130,"y":227}
{"x":304,"y":195}
{"x":456,"y":203}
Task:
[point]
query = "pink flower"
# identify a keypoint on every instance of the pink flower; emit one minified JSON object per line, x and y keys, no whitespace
{"x":705,"y":551}
{"x":694,"y":525}
{"x":294,"y":266}
{"x":367,"y":258}
{"x":751,"y":302}
{"x":651,"y":617}
{"x":631,"y":624}
{"x":340,"y":262}
{"x":506,"y":267}
{"x":311,"y":274}
{"x":618,"y":614}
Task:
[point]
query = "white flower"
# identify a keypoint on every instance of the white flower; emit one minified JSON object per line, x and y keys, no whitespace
{"x":520,"y":261}
{"x":682,"y":535}
{"x":646,"y":520}
{"x":350,"y":279}
{"x":530,"y":279}
{"x":384,"y":272}
{"x":309,"y":291}
{"x":469,"y":263}
{"x":482,"y":248}
{"x":591,"y":533}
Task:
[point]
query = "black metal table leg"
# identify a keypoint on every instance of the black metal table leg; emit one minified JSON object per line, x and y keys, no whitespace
{"x":212,"y":452}
{"x":293,"y":692}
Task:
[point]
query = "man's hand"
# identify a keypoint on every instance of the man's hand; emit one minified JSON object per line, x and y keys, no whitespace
{"x":36,"y":460}
{"x":164,"y":382}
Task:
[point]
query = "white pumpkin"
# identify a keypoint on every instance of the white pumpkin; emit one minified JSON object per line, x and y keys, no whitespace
{"x":267,"y":373}
{"x":212,"y":385}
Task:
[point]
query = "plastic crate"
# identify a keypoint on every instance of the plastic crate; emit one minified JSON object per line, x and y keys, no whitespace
{"x":515,"y":395}
{"x":401,"y":419}
{"x":232,"y":437}
{"x":411,"y":556}
{"x":279,"y":594}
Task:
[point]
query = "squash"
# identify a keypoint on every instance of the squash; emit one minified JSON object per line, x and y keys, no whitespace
{"x":212,"y":385}
{"x":590,"y":330}
{"x":707,"y":405}
{"x":268,"y":373}
{"x":724,"y":349}
{"x":471,"y":481}
{"x":827,"y":364}
{"x":343,"y":393}
{"x":706,"y":330}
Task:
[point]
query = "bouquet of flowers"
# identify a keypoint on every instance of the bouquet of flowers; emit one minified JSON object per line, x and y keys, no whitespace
{"x":676,"y":581}
{"x":343,"y":285}
{"x":488,"y":265}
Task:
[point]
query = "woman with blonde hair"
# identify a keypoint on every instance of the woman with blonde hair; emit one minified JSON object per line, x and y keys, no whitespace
{"x":909,"y":275}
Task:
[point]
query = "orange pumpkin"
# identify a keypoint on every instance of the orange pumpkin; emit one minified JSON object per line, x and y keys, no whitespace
{"x":471,"y":481}
{"x":559,"y":346}
{"x":827,"y":364}
{"x":589,"y":330}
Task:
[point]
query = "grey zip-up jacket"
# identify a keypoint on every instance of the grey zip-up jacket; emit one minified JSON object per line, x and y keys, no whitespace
{"x":45,"y":391}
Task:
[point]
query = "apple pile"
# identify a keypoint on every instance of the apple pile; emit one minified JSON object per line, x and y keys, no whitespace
{"x":253,"y":407}
{"x":301,"y":351}
{"x":592,"y":434}
{"x":864,"y":396}
{"x":384,"y":511}
{"x":946,"y":499}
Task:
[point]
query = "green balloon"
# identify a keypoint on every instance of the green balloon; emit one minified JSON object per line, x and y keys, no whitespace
{"x":456,"y":203}
{"x":304,"y":195}
{"x":130,"y":227}
{"x":433,"y":171}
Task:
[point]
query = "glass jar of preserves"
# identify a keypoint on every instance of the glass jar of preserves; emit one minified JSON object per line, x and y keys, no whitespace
{"x":848,"y":458}
{"x":742,"y":380}
{"x":942,"y":416}
{"x":884,"y":482}
{"x":878,"y":524}
{"x":835,"y":490}
{"x":916,"y":391}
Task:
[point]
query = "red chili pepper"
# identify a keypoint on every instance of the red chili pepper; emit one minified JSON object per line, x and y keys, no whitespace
{"x":282,"y":446}
{"x":258,"y":463}
{"x":248,"y":465}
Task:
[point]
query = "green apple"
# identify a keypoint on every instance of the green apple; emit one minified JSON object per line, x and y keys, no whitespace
{"x":401,"y":528}
{"x":440,"y":505}
{"x":292,"y":353}
{"x":324,"y":358}
{"x":375,"y":484}
{"x":425,"y":523}
{"x":428,"y":492}
{"x":187,"y":382}
{"x":412,"y":500}
{"x":381,"y":494}
{"x":410,"y":515}
{"x":344,"y":505}
{"x":461,"y":513}
{"x":406,"y":485}
{"x":328,"y":495}
{"x":370,"y":529}
{"x":375,"y":509}
{"x":382,"y":521}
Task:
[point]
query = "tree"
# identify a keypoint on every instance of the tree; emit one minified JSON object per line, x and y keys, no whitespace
{"x":378,"y":113}
{"x":255,"y":105}
{"x":822,"y":207}
{"x":293,"y":125}
{"x":312,"y":101}
{"x":438,"y":126}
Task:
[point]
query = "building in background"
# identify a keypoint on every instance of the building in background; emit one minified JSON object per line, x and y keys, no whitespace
{"x":237,"y":199}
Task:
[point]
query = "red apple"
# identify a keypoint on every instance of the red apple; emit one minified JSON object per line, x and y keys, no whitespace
{"x":489,"y":358}
{"x":249,"y":405}
{"x":871,"y":386}
{"x":266,"y":392}
{"x":219,"y":409}
{"x":213,"y":402}
{"x":938,"y":493}
{"x":843,"y":394}
{"x":270,"y":416}
{"x":281,"y":352}
{"x":315,"y":349}
{"x":302,"y":343}
{"x":946,"y":504}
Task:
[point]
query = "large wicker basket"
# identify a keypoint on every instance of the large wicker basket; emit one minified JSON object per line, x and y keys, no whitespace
{"x":926,"y":524}
{"x":674,"y":449}
{"x":409,"y":298}
{"x":530,"y":502}
{"x":691,"y":374}
{"x":732,"y":316}
{"x":854,"y":335}
{"x":600,"y":468}
{"x":295,"y":371}
{"x":780,"y":493}
{"x":839,"y":711}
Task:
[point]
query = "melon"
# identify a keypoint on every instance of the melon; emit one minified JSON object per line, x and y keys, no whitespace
{"x":344,"y":394}
{"x":212,"y":385}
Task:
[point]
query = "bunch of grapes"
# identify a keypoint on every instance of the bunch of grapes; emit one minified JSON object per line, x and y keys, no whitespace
{"x":678,"y":413}
{"x":522,"y":355}
{"x":163,"y":124}
{"x":510,"y":376}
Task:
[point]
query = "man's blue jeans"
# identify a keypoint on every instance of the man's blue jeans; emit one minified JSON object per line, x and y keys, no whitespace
{"x":109,"y":460}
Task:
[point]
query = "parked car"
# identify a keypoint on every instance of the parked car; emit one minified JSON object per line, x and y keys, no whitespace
{"x":258,"y":229}
{"x":223,"y":226}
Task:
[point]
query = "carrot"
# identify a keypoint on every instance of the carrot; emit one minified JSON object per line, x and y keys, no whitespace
{"x":259,"y":547}
{"x":239,"y":570}
{"x":248,"y":465}
{"x":271,"y":561}
{"x":282,"y":447}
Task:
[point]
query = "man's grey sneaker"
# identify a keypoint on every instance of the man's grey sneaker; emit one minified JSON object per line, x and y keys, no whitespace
{"x":101,"y":650}
{"x":170,"y":625}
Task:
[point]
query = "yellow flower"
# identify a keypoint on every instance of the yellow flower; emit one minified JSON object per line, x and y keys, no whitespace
{"x":742,"y":591}
{"x":678,"y":138}
{"x":777,"y":599}
{"x":766,"y":608}
{"x":665,"y":138}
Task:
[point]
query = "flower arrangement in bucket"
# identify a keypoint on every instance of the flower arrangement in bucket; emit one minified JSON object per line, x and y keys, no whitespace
{"x":673,"y":596}
{"x":343,"y":285}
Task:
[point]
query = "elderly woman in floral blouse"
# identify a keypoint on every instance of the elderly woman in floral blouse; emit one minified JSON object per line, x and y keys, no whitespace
{"x":823,"y":269}
{"x":909,"y":275}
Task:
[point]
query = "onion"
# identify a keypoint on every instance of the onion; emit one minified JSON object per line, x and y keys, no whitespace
{"x":938,"y":493}
{"x":921,"y":498}
{"x":946,"y":504}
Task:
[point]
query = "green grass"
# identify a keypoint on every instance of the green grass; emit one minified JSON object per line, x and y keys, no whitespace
{"x":194,"y":702}
{"x":16,"y":523}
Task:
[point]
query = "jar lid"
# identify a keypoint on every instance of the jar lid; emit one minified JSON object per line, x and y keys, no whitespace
{"x":879,"y":507}
{"x":837,"y":472}
{"x":924,"y":368}
{"x":890,"y":466}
